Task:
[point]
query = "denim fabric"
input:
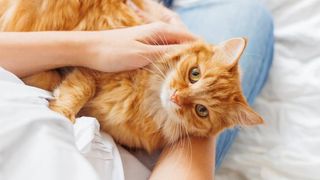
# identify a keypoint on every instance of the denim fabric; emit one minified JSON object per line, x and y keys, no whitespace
{"x":167,"y":3}
{"x":218,"y":20}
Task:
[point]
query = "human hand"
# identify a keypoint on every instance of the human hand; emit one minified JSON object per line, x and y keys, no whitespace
{"x":134,"y":47}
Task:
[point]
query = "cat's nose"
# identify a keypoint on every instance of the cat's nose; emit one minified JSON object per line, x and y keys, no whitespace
{"x":175,"y":99}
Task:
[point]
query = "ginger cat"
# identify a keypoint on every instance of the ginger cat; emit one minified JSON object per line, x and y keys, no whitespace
{"x":194,"y":91}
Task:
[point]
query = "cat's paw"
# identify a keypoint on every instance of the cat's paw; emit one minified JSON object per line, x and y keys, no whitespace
{"x":62,"y":110}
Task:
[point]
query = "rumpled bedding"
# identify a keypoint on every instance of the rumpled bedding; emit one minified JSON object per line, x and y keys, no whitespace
{"x":37,"y":143}
{"x":287,"y":147}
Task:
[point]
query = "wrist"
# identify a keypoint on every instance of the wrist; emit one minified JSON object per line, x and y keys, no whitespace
{"x":80,"y":49}
{"x":88,"y":45}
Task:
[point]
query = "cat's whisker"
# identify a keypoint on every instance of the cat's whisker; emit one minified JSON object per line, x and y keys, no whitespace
{"x":188,"y":138}
{"x":152,"y":72}
{"x":164,"y":62}
{"x":153,"y":40}
{"x":159,"y":69}
{"x":177,"y":144}
{"x":168,"y":65}
{"x":165,"y":39}
{"x":160,"y":55}
{"x":181,"y":143}
{"x":160,"y":38}
{"x":154,"y":64}
{"x":188,"y":142}
{"x":163,"y":42}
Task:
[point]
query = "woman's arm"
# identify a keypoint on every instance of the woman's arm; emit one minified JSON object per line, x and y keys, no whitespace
{"x":184,"y":161}
{"x":26,"y":53}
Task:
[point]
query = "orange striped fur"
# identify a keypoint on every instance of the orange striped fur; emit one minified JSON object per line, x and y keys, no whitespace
{"x":135,"y":107}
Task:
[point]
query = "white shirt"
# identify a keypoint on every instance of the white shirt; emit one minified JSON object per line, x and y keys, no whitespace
{"x":37,"y":143}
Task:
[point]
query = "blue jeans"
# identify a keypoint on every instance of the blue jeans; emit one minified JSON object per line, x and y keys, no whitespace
{"x":218,"y":20}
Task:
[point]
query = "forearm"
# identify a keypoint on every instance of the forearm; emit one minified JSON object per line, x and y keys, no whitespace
{"x":185,"y":162}
{"x":31,"y":52}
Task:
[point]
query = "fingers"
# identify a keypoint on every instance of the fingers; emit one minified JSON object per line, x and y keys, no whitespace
{"x":165,"y":25}
{"x":164,"y":34}
{"x":175,"y":34}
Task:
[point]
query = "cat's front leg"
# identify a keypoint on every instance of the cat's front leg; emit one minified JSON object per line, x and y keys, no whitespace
{"x":73,"y":93}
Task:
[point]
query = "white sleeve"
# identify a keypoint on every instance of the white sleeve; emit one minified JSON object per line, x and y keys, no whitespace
{"x":37,"y":143}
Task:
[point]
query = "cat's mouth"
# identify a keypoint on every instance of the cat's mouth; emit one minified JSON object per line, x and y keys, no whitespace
{"x":168,"y":99}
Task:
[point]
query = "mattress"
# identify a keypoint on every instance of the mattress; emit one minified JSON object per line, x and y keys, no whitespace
{"x":287,"y":146}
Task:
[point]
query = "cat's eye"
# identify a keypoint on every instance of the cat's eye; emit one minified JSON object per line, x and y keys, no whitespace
{"x":201,"y":111}
{"x":194,"y":75}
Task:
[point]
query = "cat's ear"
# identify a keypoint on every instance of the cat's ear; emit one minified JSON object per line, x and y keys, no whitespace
{"x":242,"y":114}
{"x":233,"y":49}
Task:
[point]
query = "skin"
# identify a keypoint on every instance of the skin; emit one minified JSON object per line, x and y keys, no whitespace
{"x":108,"y":51}
{"x":114,"y":51}
{"x":184,"y":162}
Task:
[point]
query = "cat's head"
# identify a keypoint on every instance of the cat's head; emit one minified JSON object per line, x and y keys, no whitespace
{"x":202,"y":94}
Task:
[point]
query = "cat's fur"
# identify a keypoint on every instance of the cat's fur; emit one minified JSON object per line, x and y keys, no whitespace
{"x":135,"y":107}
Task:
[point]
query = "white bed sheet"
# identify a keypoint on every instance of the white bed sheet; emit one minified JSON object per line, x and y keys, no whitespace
{"x":37,"y":143}
{"x":287,"y":147}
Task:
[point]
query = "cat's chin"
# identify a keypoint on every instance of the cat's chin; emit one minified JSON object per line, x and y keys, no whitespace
{"x":165,"y":94}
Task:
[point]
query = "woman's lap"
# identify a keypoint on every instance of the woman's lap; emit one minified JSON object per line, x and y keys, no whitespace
{"x":218,"y":20}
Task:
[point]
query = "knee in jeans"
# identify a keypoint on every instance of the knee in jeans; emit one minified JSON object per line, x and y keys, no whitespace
{"x":258,"y":13}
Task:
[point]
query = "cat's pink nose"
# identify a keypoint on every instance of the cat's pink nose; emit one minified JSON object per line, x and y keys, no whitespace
{"x":175,"y":99}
